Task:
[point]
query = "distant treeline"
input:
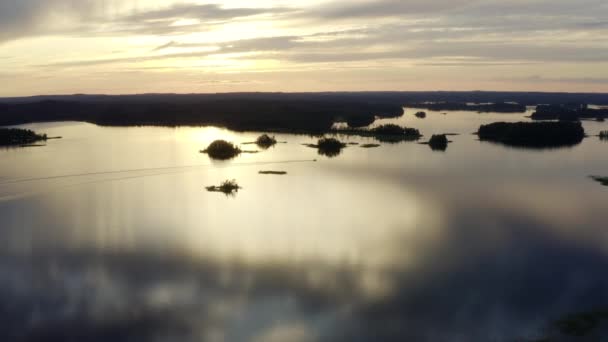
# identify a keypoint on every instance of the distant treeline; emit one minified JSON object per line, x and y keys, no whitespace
{"x":500,"y":107}
{"x":569,"y":112}
{"x":294,"y":112}
{"x":524,"y":98}
{"x":242,"y":114}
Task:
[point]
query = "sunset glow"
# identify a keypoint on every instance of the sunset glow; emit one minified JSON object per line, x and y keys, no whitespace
{"x":94,"y":46}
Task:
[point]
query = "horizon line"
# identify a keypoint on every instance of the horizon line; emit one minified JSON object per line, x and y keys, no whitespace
{"x":310,"y":92}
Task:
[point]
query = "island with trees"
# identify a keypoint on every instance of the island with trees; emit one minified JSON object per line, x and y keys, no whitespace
{"x":329,"y":147}
{"x":569,"y":112}
{"x":544,"y":134}
{"x":439,"y":142}
{"x":499,"y":107}
{"x":222,"y":150}
{"x":20,"y":137}
{"x":384,"y":133}
{"x":228,"y":187}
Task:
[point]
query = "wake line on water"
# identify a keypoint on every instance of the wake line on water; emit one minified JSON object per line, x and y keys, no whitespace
{"x":61,"y":187}
{"x":98,"y":173}
{"x":177,"y":169}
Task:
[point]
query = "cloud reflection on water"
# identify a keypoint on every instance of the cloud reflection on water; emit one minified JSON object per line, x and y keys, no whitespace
{"x":492,"y":271}
{"x":470,"y":245}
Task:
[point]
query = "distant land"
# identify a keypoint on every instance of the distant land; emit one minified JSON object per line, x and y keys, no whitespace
{"x":293,"y":112}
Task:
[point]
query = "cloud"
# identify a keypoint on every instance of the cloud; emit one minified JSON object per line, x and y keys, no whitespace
{"x":164,"y":46}
{"x":204,"y":12}
{"x":466,"y":8}
{"x":375,"y":45}
{"x":359,"y":33}
{"x":27,"y":17}
{"x":203,"y":16}
{"x":542,"y":79}
{"x":112,"y":17}
{"x":387,"y":8}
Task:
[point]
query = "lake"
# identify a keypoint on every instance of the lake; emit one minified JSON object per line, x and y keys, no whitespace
{"x":109,"y":235}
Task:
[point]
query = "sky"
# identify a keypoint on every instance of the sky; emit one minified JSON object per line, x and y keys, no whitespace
{"x":188,"y":46}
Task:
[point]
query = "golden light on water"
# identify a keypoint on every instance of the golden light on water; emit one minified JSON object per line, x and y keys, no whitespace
{"x":204,"y":136}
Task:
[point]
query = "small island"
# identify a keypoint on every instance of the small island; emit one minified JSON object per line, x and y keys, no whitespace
{"x":265,"y":141}
{"x":222,"y":150}
{"x":20,"y":137}
{"x":439,"y":142}
{"x":603,"y":135}
{"x":384,"y":133}
{"x":580,"y":326}
{"x":421,"y":115}
{"x":228,"y":187}
{"x":600,"y":179}
{"x":329,"y":147}
{"x":276,"y":173}
{"x":550,"y":134}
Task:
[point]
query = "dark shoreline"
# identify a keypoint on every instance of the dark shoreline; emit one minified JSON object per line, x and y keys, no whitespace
{"x":312,"y":114}
{"x":279,"y":115}
{"x":267,"y":112}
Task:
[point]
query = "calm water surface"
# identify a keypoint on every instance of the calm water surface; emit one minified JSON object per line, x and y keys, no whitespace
{"x":109,"y":234}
